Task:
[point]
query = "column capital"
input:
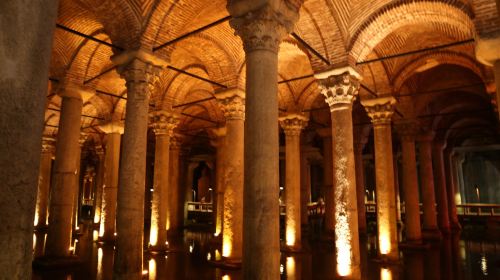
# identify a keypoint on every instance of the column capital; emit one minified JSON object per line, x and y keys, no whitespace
{"x":112,"y":127}
{"x":232,"y":103}
{"x":48,"y":145}
{"x":163,"y":122}
{"x":262,"y":28}
{"x":141,"y":70}
{"x":488,"y":50}
{"x":407,"y":129}
{"x":219,"y":133}
{"x":71,"y":90}
{"x":293,"y":123}
{"x":339,"y":86}
{"x":380,"y":109}
{"x":99,"y":151}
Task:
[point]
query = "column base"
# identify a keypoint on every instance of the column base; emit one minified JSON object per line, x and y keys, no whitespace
{"x":158,"y":249}
{"x":226,"y":263}
{"x":50,"y":262}
{"x":291,"y":249}
{"x":432,"y":234}
{"x":102,"y":240}
{"x":41,"y":228}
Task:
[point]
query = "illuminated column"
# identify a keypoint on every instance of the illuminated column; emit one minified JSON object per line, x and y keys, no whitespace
{"x":305,"y":187}
{"x":460,"y":177}
{"x":292,"y":124}
{"x":219,"y":143}
{"x":232,"y":103}
{"x":407,"y":131}
{"x":441,"y":196}
{"x":429,"y":230}
{"x":107,"y":229}
{"x":380,"y":111}
{"x":42,"y":197}
{"x":328,"y":188}
{"x":163,"y":124}
{"x":340,"y":87}
{"x":174,"y":213}
{"x":140,"y":71}
{"x":99,"y":185}
{"x":65,"y":181}
{"x":261,"y":28}
{"x":78,"y":194}
{"x":360,"y":182}
{"x":451,"y":190}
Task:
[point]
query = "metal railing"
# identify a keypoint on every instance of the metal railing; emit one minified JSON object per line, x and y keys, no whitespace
{"x":199,"y":206}
{"x":478,"y":209}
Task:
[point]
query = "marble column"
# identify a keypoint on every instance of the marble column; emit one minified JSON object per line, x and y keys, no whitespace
{"x":26,"y":29}
{"x":163,"y":124}
{"x":261,"y":28}
{"x":77,"y":205}
{"x":65,"y":180}
{"x":360,"y":183}
{"x":175,"y":201}
{"x":460,"y":177}
{"x":99,"y":185}
{"x":219,"y":143}
{"x":107,"y":227}
{"x":380,"y":111}
{"x":340,"y":87}
{"x":232,"y":102}
{"x":328,"y":187}
{"x":305,"y":187}
{"x":451,"y":190}
{"x":440,"y":180}
{"x":407,"y":131}
{"x":429,"y":229}
{"x":140,"y":71}
{"x":292,"y":124}
{"x":42,"y":197}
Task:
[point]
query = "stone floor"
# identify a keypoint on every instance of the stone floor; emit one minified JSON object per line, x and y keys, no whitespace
{"x":475,"y":254}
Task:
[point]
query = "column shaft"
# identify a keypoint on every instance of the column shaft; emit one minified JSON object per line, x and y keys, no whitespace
{"x":175,"y":204}
{"x":305,"y":188}
{"x":65,"y":181}
{"x":99,"y":185}
{"x":410,"y":189}
{"x":328,"y":185}
{"x":441,"y":196}
{"x":360,"y":186}
{"x":219,"y":189}
{"x":110,"y":189}
{"x":344,"y":180}
{"x":42,"y":198}
{"x":451,"y":190}
{"x":427,"y":188}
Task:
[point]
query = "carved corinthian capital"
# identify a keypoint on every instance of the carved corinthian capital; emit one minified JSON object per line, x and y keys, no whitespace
{"x":232,"y":103}
{"x":163,"y":122}
{"x":339,"y":88}
{"x":264,"y":28}
{"x":48,"y":145}
{"x":292,"y":124}
{"x":380,"y":109}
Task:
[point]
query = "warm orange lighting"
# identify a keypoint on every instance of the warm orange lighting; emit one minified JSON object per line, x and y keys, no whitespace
{"x":343,"y":241}
{"x":290,"y":234}
{"x":36,"y":218}
{"x":152,"y":269}
{"x":99,"y":263}
{"x":153,"y":235}
{"x":290,"y":268}
{"x":95,"y":235}
{"x":384,"y":241}
{"x":226,"y":246}
{"x":97,"y":216}
{"x":145,"y":272}
{"x":385,"y":274}
{"x":217,"y":255}
{"x":34,"y":241}
{"x":226,"y":277}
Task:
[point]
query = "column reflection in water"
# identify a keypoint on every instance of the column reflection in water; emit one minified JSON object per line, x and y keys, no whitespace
{"x":414,"y":266}
{"x":293,"y":266}
{"x":385,"y":274}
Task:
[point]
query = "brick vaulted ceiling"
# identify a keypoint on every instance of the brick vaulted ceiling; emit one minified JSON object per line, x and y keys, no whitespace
{"x":343,"y":31}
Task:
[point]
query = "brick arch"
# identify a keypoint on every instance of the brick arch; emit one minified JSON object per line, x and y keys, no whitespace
{"x":309,"y":95}
{"x":442,"y":57}
{"x":386,"y":21}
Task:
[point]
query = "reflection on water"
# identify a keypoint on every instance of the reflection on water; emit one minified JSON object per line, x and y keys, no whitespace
{"x":465,"y":257}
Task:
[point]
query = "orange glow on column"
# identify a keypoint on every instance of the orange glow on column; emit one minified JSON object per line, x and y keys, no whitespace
{"x":384,"y":240}
{"x":290,"y":234}
{"x":226,"y":245}
{"x":36,"y":217}
{"x":152,"y":269}
{"x":290,"y":268}
{"x":153,"y":235}
{"x":385,"y":274}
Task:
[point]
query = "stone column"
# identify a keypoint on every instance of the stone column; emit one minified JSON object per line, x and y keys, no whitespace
{"x":163,"y":124}
{"x":219,"y":143}
{"x":340,"y":87}
{"x":292,"y":124}
{"x":305,"y":187}
{"x":451,"y":190}
{"x":328,"y":188}
{"x":232,"y":103}
{"x":26,"y":48}
{"x":42,"y":197}
{"x":175,"y":204}
{"x":65,"y":181}
{"x":99,"y":185}
{"x":407,"y":131}
{"x":79,"y":187}
{"x":107,"y":227}
{"x":360,"y":183}
{"x":441,"y":196}
{"x":430,"y":230}
{"x":261,"y":28}
{"x":380,"y":111}
{"x":460,"y":175}
{"x":140,"y":70}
